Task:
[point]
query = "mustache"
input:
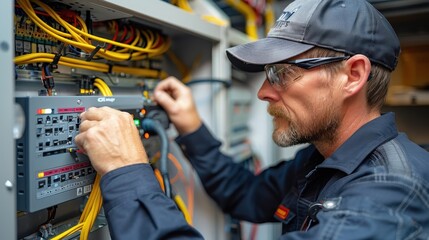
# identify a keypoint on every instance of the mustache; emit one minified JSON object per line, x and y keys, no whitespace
{"x":276,"y":111}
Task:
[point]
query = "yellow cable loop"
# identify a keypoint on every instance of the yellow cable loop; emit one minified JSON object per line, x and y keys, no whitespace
{"x":163,"y":48}
{"x":247,"y":11}
{"x":104,"y":85}
{"x":63,"y":37}
{"x":88,"y":215}
{"x":149,"y":38}
{"x":137,"y":38}
{"x":109,"y":55}
{"x":26,"y":6}
{"x":84,"y":27}
{"x":56,"y":17}
{"x":130,"y":47}
{"x":101,"y":89}
{"x":65,"y":24}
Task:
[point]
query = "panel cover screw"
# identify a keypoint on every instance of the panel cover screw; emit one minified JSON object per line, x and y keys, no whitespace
{"x":8,"y":184}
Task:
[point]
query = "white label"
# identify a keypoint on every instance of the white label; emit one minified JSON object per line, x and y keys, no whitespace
{"x":79,"y":191}
{"x":87,"y":189}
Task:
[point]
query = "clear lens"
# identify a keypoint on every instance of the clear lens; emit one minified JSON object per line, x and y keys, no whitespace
{"x":282,"y":75}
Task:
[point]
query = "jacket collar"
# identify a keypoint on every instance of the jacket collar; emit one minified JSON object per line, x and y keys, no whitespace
{"x":365,"y":140}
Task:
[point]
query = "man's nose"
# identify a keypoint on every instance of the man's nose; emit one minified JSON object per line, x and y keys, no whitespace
{"x":267,"y":92}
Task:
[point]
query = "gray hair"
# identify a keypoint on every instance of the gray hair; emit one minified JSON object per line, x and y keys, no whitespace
{"x":378,"y":82}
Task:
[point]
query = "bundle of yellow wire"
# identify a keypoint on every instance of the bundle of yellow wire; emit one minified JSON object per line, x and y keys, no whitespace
{"x":103,"y":87}
{"x":95,"y":200}
{"x":89,"y":214}
{"x":80,"y":38}
{"x":93,"y":66}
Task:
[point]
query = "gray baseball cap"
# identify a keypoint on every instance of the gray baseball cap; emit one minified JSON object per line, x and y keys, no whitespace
{"x":349,"y":26}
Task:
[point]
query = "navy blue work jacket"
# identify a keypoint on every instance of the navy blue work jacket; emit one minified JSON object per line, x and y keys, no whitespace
{"x":374,"y":186}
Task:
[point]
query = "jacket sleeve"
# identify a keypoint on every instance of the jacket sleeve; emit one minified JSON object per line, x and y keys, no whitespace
{"x":235,"y":189}
{"x":136,"y":207}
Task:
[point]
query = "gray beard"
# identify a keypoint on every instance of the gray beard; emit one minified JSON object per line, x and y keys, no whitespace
{"x":319,"y":128}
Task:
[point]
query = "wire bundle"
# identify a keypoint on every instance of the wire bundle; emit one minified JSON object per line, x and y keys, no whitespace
{"x":95,"y":200}
{"x":93,"y":66}
{"x":81,"y":39}
{"x":140,"y":45}
{"x":102,"y":87}
{"x":89,"y":214}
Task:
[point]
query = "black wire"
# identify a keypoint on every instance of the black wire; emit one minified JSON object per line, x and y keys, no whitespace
{"x":110,"y":79}
{"x":209,"y":80}
{"x":153,"y":125}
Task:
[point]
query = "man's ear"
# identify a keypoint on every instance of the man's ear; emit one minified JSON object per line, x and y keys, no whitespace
{"x":357,"y":68}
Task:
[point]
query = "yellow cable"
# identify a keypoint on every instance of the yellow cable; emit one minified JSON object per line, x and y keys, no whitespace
{"x":101,"y":89}
{"x":88,"y":215}
{"x":194,"y":65}
{"x":104,"y":86}
{"x":103,"y":83}
{"x":80,"y":42}
{"x":68,"y":232}
{"x":248,"y":12}
{"x":184,"y":4}
{"x":183,"y":69}
{"x":269,"y":16}
{"x":137,"y":38}
{"x":95,"y":200}
{"x":181,"y":205}
{"x":94,"y":66}
{"x":159,"y":178}
{"x":215,"y":20}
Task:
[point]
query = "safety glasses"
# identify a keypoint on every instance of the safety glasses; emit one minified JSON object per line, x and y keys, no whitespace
{"x":281,"y":75}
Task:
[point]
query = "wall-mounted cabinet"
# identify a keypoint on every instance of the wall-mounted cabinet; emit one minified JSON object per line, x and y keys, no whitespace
{"x":192,"y":37}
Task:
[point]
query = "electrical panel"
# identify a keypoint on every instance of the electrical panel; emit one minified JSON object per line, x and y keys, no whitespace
{"x":239,"y":115}
{"x":50,"y":168}
{"x":70,"y":56}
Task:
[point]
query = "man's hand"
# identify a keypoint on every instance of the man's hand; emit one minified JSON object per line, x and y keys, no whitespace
{"x":110,"y":139}
{"x":177,"y":101}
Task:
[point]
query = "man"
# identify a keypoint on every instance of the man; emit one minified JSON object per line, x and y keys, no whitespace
{"x":327,"y":65}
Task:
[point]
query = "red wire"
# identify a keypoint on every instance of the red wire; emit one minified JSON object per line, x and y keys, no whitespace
{"x":124,"y":34}
{"x":130,"y":39}
{"x":114,"y":36}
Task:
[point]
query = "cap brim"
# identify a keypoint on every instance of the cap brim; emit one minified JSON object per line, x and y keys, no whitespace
{"x":253,"y":56}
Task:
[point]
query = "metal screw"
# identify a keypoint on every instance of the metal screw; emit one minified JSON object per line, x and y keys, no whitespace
{"x":329,"y":204}
{"x":4,"y":46}
{"x":8,"y":184}
{"x":79,"y":102}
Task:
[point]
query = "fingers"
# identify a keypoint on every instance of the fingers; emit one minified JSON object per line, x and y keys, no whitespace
{"x":172,"y":86}
{"x":171,"y":94}
{"x":176,"y":99}
{"x":97,"y":114}
{"x":87,"y":124}
{"x":169,"y":84}
{"x":166,"y":101}
{"x":103,"y":118}
{"x":110,"y":139}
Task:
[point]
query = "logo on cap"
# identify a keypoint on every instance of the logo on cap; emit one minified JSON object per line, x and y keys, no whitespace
{"x":282,"y":21}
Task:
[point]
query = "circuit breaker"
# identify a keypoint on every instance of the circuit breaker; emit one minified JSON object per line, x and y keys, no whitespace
{"x":50,"y":169}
